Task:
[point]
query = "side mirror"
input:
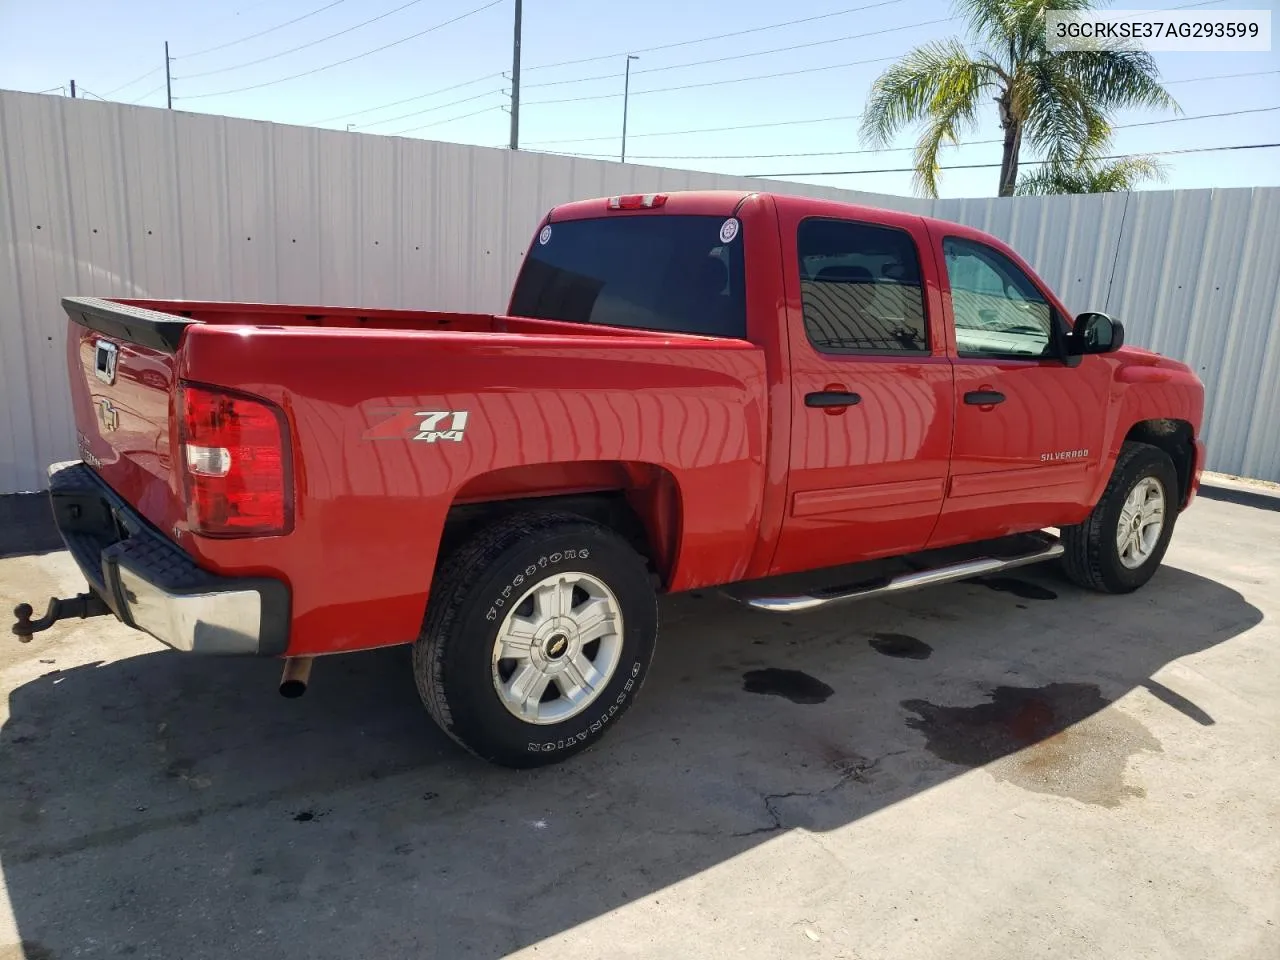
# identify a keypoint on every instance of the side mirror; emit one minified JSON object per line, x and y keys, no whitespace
{"x":1096,"y":333}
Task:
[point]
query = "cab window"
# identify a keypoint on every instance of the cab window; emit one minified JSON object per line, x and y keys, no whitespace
{"x":860,"y":287}
{"x":998,"y":311}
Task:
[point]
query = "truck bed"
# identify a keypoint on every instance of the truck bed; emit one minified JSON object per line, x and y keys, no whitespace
{"x":278,"y":315}
{"x":516,"y":408}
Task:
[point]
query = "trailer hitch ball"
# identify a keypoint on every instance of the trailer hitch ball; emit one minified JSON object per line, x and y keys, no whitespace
{"x":22,"y":612}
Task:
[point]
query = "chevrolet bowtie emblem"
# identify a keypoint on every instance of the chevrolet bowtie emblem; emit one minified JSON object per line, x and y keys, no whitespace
{"x":108,"y":415}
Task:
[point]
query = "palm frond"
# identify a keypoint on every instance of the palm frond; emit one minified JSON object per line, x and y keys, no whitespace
{"x":1047,"y":180}
{"x":1014,"y":28}
{"x":936,"y":79}
{"x":1060,"y":118}
{"x":988,"y":20}
{"x":1092,"y":176}
{"x":946,"y":125}
{"x":1116,"y":79}
{"x":1097,"y":135}
{"x":1128,"y":172}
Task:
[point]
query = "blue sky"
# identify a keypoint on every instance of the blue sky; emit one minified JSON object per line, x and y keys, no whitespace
{"x":105,"y":45}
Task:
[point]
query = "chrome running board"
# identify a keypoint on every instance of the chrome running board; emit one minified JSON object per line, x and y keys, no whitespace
{"x":905,"y":581}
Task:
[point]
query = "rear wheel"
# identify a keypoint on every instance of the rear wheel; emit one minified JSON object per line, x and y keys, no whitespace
{"x":539,"y":632}
{"x":1122,"y":542}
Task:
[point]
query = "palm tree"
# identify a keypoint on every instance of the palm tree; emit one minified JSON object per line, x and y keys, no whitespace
{"x":1060,"y":102}
{"x":1091,"y":176}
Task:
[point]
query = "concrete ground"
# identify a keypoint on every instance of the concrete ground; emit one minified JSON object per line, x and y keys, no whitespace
{"x":999,"y":769}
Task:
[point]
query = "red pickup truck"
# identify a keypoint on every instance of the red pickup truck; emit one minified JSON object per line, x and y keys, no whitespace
{"x":688,"y":390}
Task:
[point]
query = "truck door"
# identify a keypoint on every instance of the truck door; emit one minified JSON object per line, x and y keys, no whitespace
{"x":871,"y":392}
{"x":1029,"y":425}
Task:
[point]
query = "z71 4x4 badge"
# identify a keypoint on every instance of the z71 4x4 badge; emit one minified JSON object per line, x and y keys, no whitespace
{"x":429,"y":426}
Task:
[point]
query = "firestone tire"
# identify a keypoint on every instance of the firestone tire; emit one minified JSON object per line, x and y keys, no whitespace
{"x":1093,"y":557}
{"x":541,"y":584}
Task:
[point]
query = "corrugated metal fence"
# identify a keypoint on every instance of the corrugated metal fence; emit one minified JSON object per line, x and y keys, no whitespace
{"x":112,"y":200}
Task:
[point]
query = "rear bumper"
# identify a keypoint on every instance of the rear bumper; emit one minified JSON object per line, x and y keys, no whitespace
{"x":152,"y":585}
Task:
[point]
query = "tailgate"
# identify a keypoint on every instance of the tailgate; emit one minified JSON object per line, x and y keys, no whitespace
{"x":122,"y":362}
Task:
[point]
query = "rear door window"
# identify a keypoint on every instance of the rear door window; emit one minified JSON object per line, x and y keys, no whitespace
{"x":654,"y":272}
{"x":860,"y":286}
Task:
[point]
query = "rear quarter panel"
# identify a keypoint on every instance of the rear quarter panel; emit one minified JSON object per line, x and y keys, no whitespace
{"x":370,"y":509}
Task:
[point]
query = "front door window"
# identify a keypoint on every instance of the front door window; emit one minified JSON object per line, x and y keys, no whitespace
{"x":998,"y":310}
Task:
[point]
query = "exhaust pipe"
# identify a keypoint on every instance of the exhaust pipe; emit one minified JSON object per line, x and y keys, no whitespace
{"x":297,"y":672}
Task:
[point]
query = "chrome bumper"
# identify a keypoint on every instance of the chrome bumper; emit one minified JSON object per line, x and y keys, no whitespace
{"x":152,"y":585}
{"x":224,"y":621}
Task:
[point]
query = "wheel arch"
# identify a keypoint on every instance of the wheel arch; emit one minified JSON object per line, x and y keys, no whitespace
{"x":640,"y":501}
{"x":1176,"y":438}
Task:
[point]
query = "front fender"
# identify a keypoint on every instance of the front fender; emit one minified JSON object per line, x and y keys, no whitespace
{"x":1152,"y":396}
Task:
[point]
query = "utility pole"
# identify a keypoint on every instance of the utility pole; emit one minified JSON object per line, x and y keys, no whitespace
{"x":73,"y":89}
{"x":168,"y":80}
{"x":515,"y":81}
{"x":626,"y":97}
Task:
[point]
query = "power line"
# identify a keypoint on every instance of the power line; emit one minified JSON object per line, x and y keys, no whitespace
{"x":442,"y":106}
{"x":785,"y":123}
{"x":1223,"y":76}
{"x":677,"y":133}
{"x":844,"y":153}
{"x":718,"y":36}
{"x":1025,"y":163}
{"x":222,"y":46}
{"x":440,"y":123}
{"x":148,"y":93}
{"x":1198,"y":116}
{"x":796,"y":46}
{"x":396,"y":103}
{"x":740,"y":33}
{"x":206,"y":26}
{"x":303,"y":46}
{"x":58,"y":89}
{"x":716,"y":83}
{"x":835,"y":153}
{"x":116,"y":90}
{"x":744,"y":56}
{"x":561,"y":83}
{"x":339,"y":63}
{"x":260,"y":33}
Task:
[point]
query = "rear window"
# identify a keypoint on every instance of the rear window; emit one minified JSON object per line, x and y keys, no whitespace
{"x":654,"y":272}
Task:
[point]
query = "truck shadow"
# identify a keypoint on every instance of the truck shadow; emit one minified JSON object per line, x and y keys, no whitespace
{"x":166,"y":807}
{"x":26,"y":525}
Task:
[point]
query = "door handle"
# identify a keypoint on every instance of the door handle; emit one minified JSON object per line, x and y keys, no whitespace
{"x":831,"y":398}
{"x":983,"y":398}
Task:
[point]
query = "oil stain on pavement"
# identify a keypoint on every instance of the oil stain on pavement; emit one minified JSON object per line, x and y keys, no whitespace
{"x":1057,"y":739}
{"x":795,"y":685}
{"x":1023,"y":589}
{"x":901,"y":646}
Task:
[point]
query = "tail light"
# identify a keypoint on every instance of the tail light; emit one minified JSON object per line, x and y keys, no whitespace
{"x":235,"y":464}
{"x":638,"y":201}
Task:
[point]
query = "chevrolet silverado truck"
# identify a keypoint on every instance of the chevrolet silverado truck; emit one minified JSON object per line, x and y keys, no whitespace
{"x":689,"y":390}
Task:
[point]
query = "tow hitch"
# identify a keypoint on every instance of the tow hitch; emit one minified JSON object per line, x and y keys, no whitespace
{"x":82,"y":606}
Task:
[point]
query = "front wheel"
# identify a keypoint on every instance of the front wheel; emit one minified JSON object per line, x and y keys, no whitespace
{"x":538,"y":634}
{"x":1122,"y":542}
